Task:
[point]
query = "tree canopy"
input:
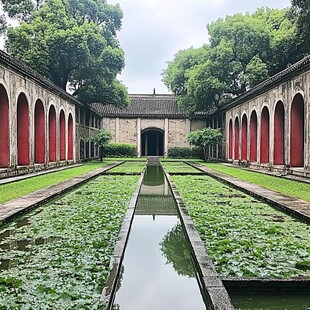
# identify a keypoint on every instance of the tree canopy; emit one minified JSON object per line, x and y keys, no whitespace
{"x":301,"y":9}
{"x":73,"y":43}
{"x":204,"y":138}
{"x":244,"y":50}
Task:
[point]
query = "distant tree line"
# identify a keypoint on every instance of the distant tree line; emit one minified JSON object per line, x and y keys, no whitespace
{"x":244,"y":50}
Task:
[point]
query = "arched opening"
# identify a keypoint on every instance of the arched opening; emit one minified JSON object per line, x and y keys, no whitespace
{"x":152,"y":142}
{"x":264,"y":136}
{"x":236,"y":146}
{"x":82,"y":149}
{"x":62,"y":135}
{"x":39,"y":132}
{"x":70,"y":137}
{"x":22,"y":130}
{"x":230,"y":140}
{"x":4,"y":129}
{"x":278,"y":156}
{"x":253,"y":137}
{"x":92,"y":149}
{"x":87,"y":149}
{"x":297,"y":132}
{"x":244,"y":137}
{"x":52,"y":134}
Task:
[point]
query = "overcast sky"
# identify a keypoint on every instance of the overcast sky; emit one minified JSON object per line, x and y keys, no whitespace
{"x":154,"y":30}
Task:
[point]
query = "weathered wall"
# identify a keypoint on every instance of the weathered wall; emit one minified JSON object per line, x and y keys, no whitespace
{"x":128,"y":130}
{"x":286,"y":93}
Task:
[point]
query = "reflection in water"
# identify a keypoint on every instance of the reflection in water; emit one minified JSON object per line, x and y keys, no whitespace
{"x":175,"y":249}
{"x":156,"y":237}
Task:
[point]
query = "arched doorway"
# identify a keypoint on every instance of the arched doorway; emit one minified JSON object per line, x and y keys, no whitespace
{"x":39,"y":132}
{"x":253,"y":137}
{"x":62,"y":135}
{"x":230,"y":140}
{"x":236,"y":146}
{"x":70,"y":137}
{"x":4,"y":129}
{"x":52,"y":134}
{"x":22,"y":130}
{"x":278,"y":156}
{"x":244,"y":137}
{"x":264,"y":136}
{"x":82,"y":146}
{"x":297,"y":132}
{"x":152,"y":142}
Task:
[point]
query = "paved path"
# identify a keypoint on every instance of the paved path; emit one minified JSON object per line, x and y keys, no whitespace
{"x":13,"y":208}
{"x":294,"y":206}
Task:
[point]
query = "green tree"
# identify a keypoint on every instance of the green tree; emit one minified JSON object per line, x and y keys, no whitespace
{"x":204,"y":138}
{"x":301,"y":9}
{"x":175,"y":249}
{"x":102,"y":139}
{"x":244,"y":50}
{"x":74,"y":44}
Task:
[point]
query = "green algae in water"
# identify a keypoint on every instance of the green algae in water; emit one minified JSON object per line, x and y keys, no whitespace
{"x":65,"y":262}
{"x":243,"y":236}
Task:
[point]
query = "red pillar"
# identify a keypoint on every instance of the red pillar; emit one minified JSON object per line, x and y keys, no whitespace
{"x":52,"y":134}
{"x":297,"y":132}
{"x":278,"y":157}
{"x":39,"y":131}
{"x":253,"y":137}
{"x":70,"y":137}
{"x":236,"y":157}
{"x":264,"y":136}
{"x":62,"y":135}
{"x":22,"y":130}
{"x":230,"y":140}
{"x":4,"y":129}
{"x":244,"y":137}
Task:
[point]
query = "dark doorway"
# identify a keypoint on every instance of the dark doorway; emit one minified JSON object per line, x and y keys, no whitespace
{"x":152,"y":142}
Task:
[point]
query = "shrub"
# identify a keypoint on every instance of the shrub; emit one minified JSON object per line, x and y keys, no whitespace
{"x":185,"y":152}
{"x":120,"y":150}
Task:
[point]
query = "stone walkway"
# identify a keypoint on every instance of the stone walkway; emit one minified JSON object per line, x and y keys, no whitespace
{"x":294,"y":206}
{"x":13,"y":208}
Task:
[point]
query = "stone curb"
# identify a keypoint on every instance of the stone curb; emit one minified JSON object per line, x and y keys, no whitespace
{"x":110,"y":288}
{"x":16,"y":207}
{"x":212,"y":285}
{"x":290,"y":205}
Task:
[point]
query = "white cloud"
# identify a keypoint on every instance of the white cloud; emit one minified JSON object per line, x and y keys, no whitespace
{"x":154,"y":30}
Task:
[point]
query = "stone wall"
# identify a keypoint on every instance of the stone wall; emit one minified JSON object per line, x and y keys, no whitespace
{"x":128,"y":130}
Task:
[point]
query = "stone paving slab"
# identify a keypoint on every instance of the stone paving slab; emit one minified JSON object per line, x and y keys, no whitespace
{"x":291,"y":205}
{"x":13,"y":208}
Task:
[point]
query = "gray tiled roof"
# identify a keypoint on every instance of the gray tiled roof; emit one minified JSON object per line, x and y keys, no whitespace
{"x":144,"y":106}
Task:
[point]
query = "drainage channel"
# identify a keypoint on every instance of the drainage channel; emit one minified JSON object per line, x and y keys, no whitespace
{"x":157,"y":271}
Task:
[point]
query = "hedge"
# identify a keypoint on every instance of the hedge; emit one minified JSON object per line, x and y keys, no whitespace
{"x":185,"y":152}
{"x":120,"y":150}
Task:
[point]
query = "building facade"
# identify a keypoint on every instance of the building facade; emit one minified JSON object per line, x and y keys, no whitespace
{"x":153,"y":123}
{"x":268,"y":127}
{"x":42,"y":126}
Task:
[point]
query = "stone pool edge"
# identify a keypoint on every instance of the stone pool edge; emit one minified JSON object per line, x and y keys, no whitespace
{"x":12,"y":209}
{"x":295,"y":207}
{"x":209,"y":279}
{"x":110,"y":288}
